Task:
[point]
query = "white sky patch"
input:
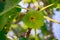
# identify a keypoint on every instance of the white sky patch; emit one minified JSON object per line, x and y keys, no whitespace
{"x":21,"y":23}
{"x":37,"y":32}
{"x":55,"y":26}
{"x":24,"y":5}
{"x":32,"y":5}
{"x":41,"y":4}
{"x":10,"y":34}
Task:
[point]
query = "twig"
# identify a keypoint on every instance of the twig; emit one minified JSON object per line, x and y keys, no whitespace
{"x":46,"y":7}
{"x":35,"y":34}
{"x":28,"y":32}
{"x":51,"y":19}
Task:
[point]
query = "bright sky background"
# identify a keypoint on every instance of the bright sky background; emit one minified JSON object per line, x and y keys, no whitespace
{"x":56,"y":27}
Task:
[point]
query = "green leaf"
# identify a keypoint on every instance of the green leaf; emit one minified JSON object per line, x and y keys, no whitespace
{"x":2,"y":4}
{"x":9,"y":4}
{"x":48,"y":2}
{"x":27,"y":1}
{"x":44,"y":30}
{"x":3,"y":34}
{"x":13,"y":14}
{"x":33,"y":1}
{"x":34,"y":19}
{"x":23,"y":38}
{"x":51,"y":1}
{"x":3,"y":21}
{"x":58,"y":5}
